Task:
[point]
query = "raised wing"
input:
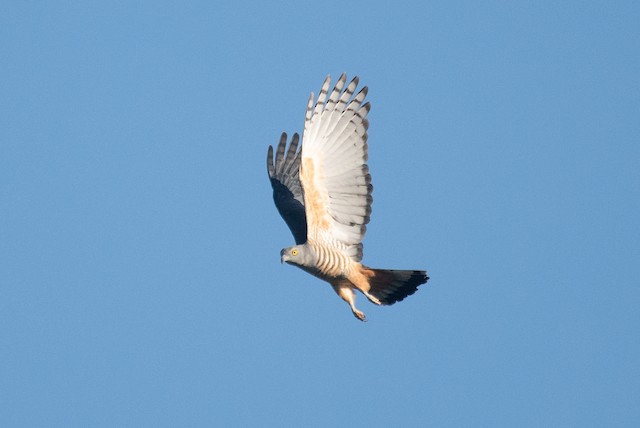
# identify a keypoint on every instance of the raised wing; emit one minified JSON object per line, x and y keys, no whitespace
{"x":287,"y":192}
{"x":334,"y":172}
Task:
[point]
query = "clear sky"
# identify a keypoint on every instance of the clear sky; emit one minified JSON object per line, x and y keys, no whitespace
{"x":140,"y":279}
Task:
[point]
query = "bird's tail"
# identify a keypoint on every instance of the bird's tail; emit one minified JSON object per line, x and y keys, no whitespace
{"x":391,"y":286}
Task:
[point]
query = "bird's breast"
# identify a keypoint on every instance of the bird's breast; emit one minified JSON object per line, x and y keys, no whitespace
{"x":332,"y":260}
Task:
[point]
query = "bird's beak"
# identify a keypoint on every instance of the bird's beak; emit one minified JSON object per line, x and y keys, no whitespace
{"x":282,"y":257}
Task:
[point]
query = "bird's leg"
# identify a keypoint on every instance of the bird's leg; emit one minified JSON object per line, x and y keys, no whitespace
{"x":347,"y":294}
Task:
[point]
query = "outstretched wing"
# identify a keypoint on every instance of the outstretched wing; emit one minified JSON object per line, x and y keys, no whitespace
{"x":287,"y":192}
{"x":334,"y":172}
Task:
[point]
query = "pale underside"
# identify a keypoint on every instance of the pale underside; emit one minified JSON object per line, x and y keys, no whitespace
{"x":334,"y":174}
{"x":337,"y":186}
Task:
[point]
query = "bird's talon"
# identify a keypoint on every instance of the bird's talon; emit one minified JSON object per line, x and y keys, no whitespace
{"x":360,"y":315}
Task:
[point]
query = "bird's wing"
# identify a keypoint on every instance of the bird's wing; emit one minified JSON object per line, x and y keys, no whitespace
{"x":334,"y":172}
{"x":287,"y":192}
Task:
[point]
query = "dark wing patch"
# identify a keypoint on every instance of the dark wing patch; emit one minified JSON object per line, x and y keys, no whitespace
{"x":287,"y":192}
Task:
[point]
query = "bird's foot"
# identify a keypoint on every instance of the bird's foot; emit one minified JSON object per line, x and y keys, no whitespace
{"x":360,"y":315}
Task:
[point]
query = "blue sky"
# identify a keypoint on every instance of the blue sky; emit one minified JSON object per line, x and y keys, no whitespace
{"x":140,"y":282}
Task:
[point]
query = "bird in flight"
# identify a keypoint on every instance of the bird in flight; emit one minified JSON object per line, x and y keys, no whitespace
{"x":323,"y":193}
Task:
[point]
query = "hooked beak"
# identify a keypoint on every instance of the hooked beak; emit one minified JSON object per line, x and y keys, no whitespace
{"x":282,"y":257}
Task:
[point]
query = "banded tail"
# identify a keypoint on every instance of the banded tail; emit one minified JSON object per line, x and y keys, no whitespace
{"x":391,"y":286}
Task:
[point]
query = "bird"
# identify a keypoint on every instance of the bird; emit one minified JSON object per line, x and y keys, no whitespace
{"x":322,"y":189}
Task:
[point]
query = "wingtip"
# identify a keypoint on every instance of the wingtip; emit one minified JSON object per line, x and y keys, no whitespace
{"x":270,"y":167}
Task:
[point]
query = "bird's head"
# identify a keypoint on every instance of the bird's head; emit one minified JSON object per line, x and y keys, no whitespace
{"x":299,"y":255}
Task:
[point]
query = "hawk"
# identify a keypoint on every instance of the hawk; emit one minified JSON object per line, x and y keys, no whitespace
{"x":323,"y":193}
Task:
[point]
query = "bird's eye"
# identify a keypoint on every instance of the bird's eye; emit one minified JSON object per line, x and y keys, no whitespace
{"x":294,"y":252}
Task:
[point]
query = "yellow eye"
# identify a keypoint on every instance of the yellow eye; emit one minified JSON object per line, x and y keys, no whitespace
{"x":294,"y":252}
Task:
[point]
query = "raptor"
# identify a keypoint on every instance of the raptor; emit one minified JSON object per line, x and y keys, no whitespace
{"x":322,"y":189}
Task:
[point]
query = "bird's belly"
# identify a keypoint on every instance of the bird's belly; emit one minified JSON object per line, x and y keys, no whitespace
{"x":317,"y":273}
